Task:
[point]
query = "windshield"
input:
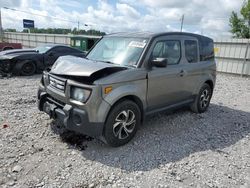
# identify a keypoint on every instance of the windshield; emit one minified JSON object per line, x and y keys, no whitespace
{"x":42,"y":49}
{"x":118,"y":50}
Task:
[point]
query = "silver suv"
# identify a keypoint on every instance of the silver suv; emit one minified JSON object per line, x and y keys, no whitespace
{"x":125,"y":77}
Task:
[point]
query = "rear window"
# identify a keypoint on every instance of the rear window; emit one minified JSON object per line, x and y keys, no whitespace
{"x":191,"y":51}
{"x":206,"y":49}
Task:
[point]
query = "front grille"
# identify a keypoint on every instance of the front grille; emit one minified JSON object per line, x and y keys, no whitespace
{"x":55,"y":101}
{"x":57,"y":83}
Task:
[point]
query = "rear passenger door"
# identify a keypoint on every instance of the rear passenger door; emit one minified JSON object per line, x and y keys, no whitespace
{"x":166,"y":85}
{"x":192,"y":64}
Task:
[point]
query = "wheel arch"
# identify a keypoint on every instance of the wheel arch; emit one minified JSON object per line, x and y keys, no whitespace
{"x":20,"y":63}
{"x":207,"y":80}
{"x":132,"y":98}
{"x":210,"y":83}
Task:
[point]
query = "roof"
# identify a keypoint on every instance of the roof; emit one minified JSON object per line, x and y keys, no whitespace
{"x":151,"y":34}
{"x":130,"y":34}
{"x":52,"y":45}
{"x":85,"y":36}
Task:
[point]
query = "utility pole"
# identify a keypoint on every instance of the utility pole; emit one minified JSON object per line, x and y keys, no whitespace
{"x":1,"y":28}
{"x":78,"y":26}
{"x":182,"y":21}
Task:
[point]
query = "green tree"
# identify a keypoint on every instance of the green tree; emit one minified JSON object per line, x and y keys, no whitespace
{"x":73,"y":31}
{"x":240,"y":26}
{"x":10,"y":30}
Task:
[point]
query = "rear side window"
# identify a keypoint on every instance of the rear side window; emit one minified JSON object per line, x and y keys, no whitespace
{"x":60,"y":49}
{"x":63,"y":49}
{"x":171,"y":50}
{"x":206,"y":49}
{"x":191,"y":51}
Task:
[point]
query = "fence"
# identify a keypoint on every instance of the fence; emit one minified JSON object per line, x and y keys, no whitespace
{"x":31,"y":40}
{"x":232,"y":55}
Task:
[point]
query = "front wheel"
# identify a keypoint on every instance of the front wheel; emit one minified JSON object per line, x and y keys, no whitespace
{"x":202,"y":100}
{"x":122,"y":123}
{"x":28,"y":68}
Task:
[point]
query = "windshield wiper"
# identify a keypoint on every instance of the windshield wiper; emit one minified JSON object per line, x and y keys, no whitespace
{"x":109,"y":62}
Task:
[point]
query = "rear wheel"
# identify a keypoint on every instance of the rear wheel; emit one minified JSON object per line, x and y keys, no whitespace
{"x":202,"y":100}
{"x":28,"y":68}
{"x":122,"y":123}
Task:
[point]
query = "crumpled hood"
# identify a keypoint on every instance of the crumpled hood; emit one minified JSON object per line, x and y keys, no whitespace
{"x":76,"y":66}
{"x":8,"y":54}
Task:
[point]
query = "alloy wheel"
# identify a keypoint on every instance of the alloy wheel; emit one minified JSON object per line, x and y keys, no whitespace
{"x":124,"y":124}
{"x":204,"y":99}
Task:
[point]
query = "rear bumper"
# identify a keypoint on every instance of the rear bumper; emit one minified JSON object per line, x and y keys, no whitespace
{"x":72,"y":118}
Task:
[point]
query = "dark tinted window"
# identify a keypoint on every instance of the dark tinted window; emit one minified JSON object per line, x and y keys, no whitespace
{"x":191,"y":51}
{"x":72,"y":50}
{"x":206,"y":49}
{"x":91,"y":42}
{"x":171,"y":50}
{"x":62,"y":49}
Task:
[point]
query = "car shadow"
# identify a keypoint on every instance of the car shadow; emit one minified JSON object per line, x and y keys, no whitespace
{"x":169,"y":137}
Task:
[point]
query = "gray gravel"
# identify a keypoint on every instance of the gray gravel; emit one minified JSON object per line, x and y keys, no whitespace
{"x":179,"y":149}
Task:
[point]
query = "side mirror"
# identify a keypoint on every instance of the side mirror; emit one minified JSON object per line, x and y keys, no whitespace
{"x":159,"y":62}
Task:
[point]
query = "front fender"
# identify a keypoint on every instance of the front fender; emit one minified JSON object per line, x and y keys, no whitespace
{"x":136,"y":88}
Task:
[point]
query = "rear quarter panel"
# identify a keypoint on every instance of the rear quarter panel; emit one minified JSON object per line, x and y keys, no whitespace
{"x":208,"y":72}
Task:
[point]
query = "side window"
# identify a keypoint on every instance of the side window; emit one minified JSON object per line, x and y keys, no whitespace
{"x":59,"y":50}
{"x":191,"y":51}
{"x":62,"y":49}
{"x":206,"y":49}
{"x":171,"y":50}
{"x":71,"y":50}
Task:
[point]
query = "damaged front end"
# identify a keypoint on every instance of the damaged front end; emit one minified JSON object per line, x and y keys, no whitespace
{"x":67,"y":93}
{"x":93,"y":77}
{"x":83,"y":70}
{"x":5,"y":67}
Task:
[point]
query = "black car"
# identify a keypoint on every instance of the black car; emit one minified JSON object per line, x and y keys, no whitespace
{"x":29,"y":61}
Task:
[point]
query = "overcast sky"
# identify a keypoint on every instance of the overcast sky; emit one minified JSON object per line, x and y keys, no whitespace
{"x":208,"y":17}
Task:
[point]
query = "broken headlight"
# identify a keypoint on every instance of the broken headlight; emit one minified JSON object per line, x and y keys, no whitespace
{"x":79,"y":94}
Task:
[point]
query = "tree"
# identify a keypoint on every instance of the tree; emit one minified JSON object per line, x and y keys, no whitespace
{"x":10,"y":30}
{"x":63,"y":31}
{"x":240,"y":26}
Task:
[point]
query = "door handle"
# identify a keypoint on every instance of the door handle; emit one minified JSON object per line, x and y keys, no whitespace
{"x":182,"y":73}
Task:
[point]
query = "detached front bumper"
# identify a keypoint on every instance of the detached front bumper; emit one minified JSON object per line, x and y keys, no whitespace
{"x":72,"y":118}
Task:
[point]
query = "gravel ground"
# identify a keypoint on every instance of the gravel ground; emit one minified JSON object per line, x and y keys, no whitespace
{"x":179,"y":149}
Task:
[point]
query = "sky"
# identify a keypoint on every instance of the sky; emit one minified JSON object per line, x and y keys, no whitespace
{"x":205,"y":17}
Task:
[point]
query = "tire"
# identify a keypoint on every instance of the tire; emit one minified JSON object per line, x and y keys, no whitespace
{"x":202,"y":100}
{"x":116,"y":131}
{"x":28,"y":68}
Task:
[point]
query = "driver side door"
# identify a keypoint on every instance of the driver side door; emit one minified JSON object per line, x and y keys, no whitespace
{"x":52,"y":55}
{"x":166,"y":84}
